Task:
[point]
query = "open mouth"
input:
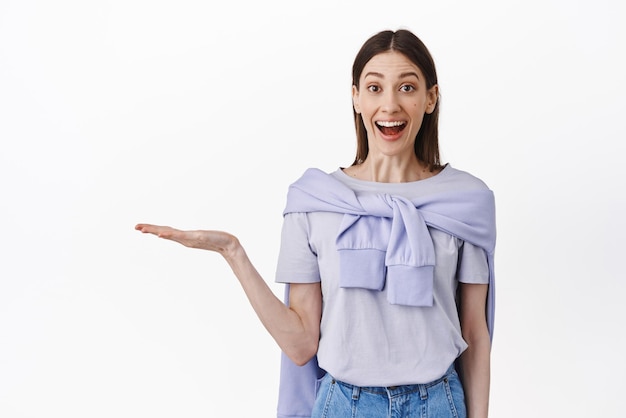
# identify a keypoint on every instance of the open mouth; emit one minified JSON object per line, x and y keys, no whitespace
{"x":390,"y":127}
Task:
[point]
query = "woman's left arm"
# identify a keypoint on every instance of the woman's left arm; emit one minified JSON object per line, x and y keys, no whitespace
{"x":475,"y":361}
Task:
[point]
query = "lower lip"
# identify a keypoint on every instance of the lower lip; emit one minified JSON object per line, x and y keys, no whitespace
{"x":391,"y":138}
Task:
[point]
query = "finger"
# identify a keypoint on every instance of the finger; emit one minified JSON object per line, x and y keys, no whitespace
{"x":152,"y":229}
{"x":145,"y":228}
{"x":167,"y":233}
{"x":142,"y":227}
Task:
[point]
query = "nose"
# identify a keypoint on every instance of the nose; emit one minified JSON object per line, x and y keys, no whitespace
{"x":390,"y":102}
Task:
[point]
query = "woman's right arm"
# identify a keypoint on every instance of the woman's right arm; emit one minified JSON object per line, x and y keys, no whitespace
{"x":295,"y":327}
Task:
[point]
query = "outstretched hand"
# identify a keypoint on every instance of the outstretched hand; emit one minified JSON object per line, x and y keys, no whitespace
{"x":219,"y":241}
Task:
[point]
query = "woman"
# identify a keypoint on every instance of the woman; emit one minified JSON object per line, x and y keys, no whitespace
{"x":389,"y":262}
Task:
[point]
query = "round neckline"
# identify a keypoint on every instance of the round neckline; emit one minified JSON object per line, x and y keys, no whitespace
{"x":343,"y":174}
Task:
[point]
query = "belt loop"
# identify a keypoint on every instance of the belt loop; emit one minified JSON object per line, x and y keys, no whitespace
{"x":356,"y":392}
{"x":423,"y":392}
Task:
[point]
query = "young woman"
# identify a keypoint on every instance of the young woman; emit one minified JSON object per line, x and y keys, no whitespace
{"x":388,"y":262}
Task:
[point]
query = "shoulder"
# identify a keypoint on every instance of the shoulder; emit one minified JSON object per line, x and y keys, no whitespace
{"x":460,"y":179}
{"x":317,"y":180}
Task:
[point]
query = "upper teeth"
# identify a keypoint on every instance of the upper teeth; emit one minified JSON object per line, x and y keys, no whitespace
{"x":387,"y":124}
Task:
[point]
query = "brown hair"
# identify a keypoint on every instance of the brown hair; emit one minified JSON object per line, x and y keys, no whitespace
{"x":405,"y":42}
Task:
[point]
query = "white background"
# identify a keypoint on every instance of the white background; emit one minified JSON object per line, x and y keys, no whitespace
{"x":199,"y":115}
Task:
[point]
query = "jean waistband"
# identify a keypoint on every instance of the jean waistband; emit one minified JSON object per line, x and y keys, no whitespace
{"x":401,"y":389}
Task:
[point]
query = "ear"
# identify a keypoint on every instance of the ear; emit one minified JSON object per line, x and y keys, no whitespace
{"x":355,"y":99}
{"x":432,"y":98}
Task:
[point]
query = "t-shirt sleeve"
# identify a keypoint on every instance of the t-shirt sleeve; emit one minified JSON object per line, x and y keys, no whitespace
{"x":297,"y":262}
{"x":473,"y":267}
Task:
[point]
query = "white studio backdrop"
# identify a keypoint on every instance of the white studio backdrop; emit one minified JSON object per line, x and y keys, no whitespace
{"x":200,"y":114}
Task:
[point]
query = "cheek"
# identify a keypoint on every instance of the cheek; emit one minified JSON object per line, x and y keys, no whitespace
{"x":366,"y":111}
{"x":419,"y":104}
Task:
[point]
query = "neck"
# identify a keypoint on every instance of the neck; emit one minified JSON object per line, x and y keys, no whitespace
{"x":391,"y":169}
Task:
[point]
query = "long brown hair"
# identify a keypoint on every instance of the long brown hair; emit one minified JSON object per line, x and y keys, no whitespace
{"x":405,"y":42}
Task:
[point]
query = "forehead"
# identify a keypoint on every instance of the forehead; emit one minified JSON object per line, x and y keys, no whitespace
{"x":390,"y":64}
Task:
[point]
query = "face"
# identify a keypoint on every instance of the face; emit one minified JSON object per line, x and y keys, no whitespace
{"x":392,"y":99}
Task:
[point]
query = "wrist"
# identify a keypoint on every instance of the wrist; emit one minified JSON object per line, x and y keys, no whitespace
{"x":233,"y":250}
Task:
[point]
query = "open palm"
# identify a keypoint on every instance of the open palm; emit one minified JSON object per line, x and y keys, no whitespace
{"x":206,"y":240}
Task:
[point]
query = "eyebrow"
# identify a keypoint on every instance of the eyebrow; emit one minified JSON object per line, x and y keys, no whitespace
{"x":403,"y":75}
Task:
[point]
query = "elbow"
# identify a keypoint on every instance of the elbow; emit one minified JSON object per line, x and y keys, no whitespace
{"x":303,"y":354}
{"x":477,"y":337}
{"x":300,"y":361}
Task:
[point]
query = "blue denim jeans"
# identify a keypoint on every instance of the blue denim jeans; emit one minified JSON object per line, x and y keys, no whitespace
{"x":442,"y":398}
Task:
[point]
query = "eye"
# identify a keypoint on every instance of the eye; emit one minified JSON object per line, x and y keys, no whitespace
{"x":373,"y":88}
{"x":407,"y":88}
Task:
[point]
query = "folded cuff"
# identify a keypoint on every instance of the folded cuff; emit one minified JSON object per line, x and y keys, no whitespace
{"x":408,"y":285}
